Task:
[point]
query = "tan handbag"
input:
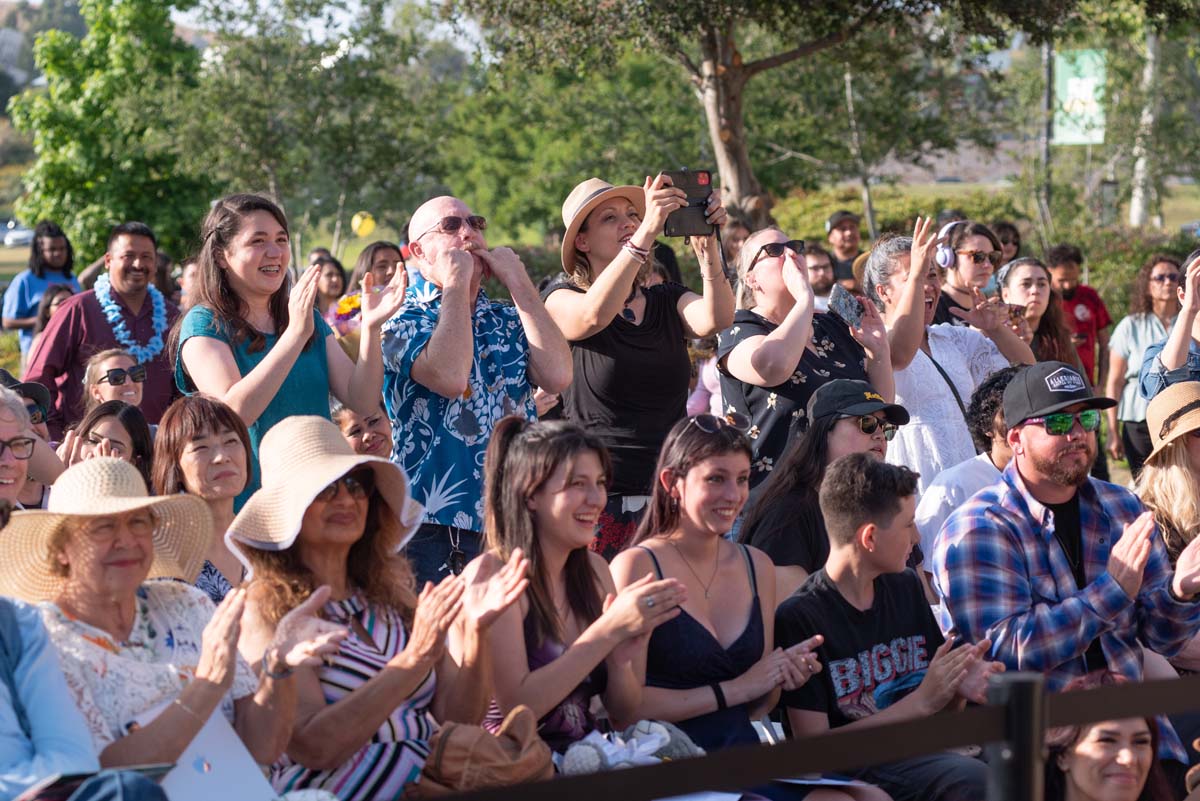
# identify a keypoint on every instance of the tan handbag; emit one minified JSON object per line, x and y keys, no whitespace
{"x":463,"y":757}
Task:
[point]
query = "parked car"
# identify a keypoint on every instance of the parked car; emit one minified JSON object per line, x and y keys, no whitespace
{"x":17,"y":235}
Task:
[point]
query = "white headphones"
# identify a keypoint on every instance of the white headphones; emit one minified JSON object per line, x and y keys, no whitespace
{"x":944,"y":256}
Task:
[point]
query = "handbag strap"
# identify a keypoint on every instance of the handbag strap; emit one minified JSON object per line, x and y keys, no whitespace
{"x":953,"y":390}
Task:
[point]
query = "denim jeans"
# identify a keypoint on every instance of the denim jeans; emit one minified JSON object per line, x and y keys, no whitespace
{"x":938,"y":777}
{"x":430,"y":548}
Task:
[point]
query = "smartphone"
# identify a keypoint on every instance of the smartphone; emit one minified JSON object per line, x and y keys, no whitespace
{"x":1016,"y":313}
{"x":691,"y":220}
{"x":843,"y":303}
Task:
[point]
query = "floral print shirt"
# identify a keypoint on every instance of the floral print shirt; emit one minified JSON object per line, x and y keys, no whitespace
{"x":114,"y":683}
{"x":440,"y":442}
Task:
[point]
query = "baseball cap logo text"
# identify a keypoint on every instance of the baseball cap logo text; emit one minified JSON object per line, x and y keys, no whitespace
{"x":1065,"y":380}
{"x":873,"y":396}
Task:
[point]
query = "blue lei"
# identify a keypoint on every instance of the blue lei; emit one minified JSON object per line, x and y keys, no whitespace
{"x":112,"y":313}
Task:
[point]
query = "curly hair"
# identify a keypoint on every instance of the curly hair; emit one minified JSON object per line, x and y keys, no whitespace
{"x":986,"y":400}
{"x":1140,"y":301}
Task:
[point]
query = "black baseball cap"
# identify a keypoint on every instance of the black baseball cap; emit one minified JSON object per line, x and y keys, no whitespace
{"x":26,"y":389}
{"x":1045,"y":388}
{"x":845,"y":396}
{"x":838,"y":217}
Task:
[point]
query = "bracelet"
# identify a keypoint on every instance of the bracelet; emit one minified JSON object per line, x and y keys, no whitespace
{"x":179,"y":702}
{"x":720,"y":694}
{"x":270,"y":674}
{"x":704,"y":277}
{"x":639,"y":254}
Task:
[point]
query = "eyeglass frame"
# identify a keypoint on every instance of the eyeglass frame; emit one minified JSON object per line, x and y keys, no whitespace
{"x":131,"y":373}
{"x":477,"y":222}
{"x":889,"y":428}
{"x":993,"y":256}
{"x":8,"y":444}
{"x":788,"y":245}
{"x":735,"y":420}
{"x":352,"y":480}
{"x":1076,"y":417}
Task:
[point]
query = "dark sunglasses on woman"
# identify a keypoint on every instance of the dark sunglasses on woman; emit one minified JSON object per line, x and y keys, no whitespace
{"x":359,"y":484}
{"x":117,"y":375}
{"x":711,"y":423}
{"x":869,"y":424}
{"x":775,"y":249}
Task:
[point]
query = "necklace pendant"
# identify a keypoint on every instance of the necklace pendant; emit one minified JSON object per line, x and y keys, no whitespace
{"x":628,"y":314}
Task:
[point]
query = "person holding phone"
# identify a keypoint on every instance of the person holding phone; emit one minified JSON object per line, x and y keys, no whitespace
{"x":628,"y":341}
{"x":777,"y":352}
{"x":1177,"y":358}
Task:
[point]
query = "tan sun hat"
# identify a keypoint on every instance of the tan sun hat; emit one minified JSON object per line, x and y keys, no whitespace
{"x":92,"y":488}
{"x":579,"y":204}
{"x":1173,"y":413}
{"x":299,"y":457}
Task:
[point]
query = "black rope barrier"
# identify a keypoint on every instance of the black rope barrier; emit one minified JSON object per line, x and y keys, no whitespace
{"x":844,"y":749}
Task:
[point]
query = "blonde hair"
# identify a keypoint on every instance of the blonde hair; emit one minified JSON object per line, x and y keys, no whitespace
{"x":91,"y":374}
{"x":745,"y":260}
{"x":1168,"y":487}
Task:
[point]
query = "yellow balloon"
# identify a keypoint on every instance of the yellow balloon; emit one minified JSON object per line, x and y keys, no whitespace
{"x":363,"y":223}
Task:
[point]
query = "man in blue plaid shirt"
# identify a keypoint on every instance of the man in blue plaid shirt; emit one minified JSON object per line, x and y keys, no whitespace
{"x":1065,"y":574}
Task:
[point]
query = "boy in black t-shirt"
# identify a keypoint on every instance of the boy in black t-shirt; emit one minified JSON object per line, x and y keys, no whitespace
{"x":884,"y":656}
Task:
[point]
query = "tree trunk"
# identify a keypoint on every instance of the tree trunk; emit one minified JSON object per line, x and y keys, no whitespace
{"x":722,"y":81}
{"x":856,"y":151}
{"x":336,"y":247}
{"x":1143,"y":191}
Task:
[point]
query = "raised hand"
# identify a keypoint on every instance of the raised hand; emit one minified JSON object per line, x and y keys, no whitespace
{"x":378,"y":304}
{"x":975,"y":683}
{"x":301,"y":302}
{"x":503,"y":263}
{"x":924,"y":240}
{"x":987,"y":315}
{"x":1129,"y":555}
{"x":90,"y":450}
{"x":872,"y":332}
{"x":303,"y":638}
{"x":70,"y":450}
{"x":486,"y":597}
{"x":661,"y":199}
{"x":795,"y":279}
{"x":454,"y":267}
{"x":218,"y":643}
{"x":705,"y":247}
{"x":437,"y":607}
{"x":1191,"y":290}
{"x":641,"y":606}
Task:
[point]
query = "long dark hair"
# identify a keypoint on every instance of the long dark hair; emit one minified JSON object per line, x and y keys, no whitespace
{"x":686,"y":445}
{"x":363,"y":265}
{"x":1139,"y":299}
{"x":37,"y":263}
{"x":1052,"y":338}
{"x":134,"y":423}
{"x":521,"y":457}
{"x":48,"y":296}
{"x":799,"y":472}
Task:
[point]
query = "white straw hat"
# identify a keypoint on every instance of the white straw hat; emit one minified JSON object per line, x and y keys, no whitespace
{"x":93,"y":488}
{"x":299,"y":457}
{"x":584,"y":198}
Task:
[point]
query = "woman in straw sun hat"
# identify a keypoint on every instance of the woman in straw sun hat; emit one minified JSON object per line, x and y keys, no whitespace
{"x":628,"y":342}
{"x":326,"y":515}
{"x":148,"y":661}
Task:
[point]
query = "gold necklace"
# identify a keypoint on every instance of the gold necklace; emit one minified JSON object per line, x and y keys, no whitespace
{"x":716,"y":564}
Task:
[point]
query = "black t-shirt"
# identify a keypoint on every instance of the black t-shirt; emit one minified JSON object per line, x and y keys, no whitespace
{"x":942,"y":313}
{"x":791,"y":532}
{"x":631,"y":384}
{"x":1070,"y":537}
{"x":843,"y":269}
{"x":871,"y":659}
{"x":776,"y":412}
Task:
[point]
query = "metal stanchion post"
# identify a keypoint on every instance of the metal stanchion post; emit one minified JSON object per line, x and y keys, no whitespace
{"x":1016,"y":766}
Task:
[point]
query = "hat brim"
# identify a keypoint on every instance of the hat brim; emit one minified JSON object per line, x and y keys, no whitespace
{"x":271,"y":518}
{"x":35,"y":392}
{"x":181,"y":542}
{"x":893,"y":412}
{"x":634,"y":194}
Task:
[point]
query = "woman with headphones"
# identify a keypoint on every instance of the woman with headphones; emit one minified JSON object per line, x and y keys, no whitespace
{"x":968,"y":253}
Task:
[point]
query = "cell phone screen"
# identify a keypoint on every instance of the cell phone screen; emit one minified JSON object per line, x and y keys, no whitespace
{"x":845,"y":305}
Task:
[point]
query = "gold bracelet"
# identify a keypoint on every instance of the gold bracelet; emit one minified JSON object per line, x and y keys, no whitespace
{"x":713,"y":278}
{"x":179,"y":702}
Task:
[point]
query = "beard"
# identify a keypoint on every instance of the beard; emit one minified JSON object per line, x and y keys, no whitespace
{"x":1062,"y":472}
{"x":822,"y":287}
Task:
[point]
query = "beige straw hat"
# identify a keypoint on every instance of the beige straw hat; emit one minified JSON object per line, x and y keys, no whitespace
{"x":1173,"y":413}
{"x":299,"y":457}
{"x":579,"y":204}
{"x":92,"y":488}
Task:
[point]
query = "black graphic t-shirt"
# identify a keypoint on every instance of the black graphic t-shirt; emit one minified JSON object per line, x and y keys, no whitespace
{"x":776,"y":412}
{"x":871,"y":659}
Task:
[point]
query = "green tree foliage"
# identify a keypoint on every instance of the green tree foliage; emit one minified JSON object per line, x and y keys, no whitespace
{"x":104,"y":153}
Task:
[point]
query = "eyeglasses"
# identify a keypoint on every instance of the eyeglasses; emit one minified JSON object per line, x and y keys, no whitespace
{"x":1061,"y":423}
{"x":450,"y":225}
{"x":21,"y":447}
{"x":711,"y":423}
{"x":869,"y":424}
{"x":359,"y":484}
{"x":1164,"y":278}
{"x":116,"y":376}
{"x":37,"y":415}
{"x":775,"y":249}
{"x":980,"y":256}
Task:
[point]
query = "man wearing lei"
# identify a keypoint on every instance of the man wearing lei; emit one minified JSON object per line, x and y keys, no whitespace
{"x":124,"y":310}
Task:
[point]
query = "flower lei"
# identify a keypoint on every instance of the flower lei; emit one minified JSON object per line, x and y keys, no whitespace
{"x":112,"y":313}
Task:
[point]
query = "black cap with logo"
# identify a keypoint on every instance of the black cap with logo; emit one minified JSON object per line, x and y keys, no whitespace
{"x":26,"y":389}
{"x":840,"y":216}
{"x":1045,"y":388}
{"x":853,"y":398}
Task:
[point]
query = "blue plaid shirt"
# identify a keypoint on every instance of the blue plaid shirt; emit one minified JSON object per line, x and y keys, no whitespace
{"x":1003,"y":576}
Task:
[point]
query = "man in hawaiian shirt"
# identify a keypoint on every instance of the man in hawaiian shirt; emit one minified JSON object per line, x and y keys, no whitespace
{"x":136,"y":319}
{"x":455,"y":363}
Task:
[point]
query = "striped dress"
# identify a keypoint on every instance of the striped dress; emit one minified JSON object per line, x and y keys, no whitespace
{"x":394,"y":755}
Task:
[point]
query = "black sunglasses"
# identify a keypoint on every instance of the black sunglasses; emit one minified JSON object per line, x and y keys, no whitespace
{"x":116,"y":376}
{"x":711,"y":423}
{"x":869,"y":424}
{"x":359,"y":484}
{"x":775,"y":249}
{"x":450,"y":225}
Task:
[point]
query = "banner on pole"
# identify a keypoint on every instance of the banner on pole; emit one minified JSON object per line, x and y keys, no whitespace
{"x":1079,"y":77}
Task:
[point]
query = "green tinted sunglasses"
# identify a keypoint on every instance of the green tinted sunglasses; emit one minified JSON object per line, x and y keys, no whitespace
{"x":1061,"y":423}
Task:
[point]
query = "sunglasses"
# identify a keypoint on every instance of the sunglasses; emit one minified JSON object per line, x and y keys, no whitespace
{"x":21,"y":447}
{"x":775,"y":249}
{"x":1164,"y":278}
{"x":117,"y":375}
{"x":711,"y":423}
{"x":37,"y":415}
{"x":450,"y":225}
{"x":1061,"y":423}
{"x":869,"y":424}
{"x":980,"y":256}
{"x":359,"y":484}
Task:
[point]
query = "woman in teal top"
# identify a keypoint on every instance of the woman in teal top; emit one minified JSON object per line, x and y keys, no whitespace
{"x":260,"y":348}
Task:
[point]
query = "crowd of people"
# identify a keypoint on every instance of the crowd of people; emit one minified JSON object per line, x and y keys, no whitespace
{"x":827,"y":488}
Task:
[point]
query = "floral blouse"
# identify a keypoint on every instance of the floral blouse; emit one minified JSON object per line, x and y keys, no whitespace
{"x":116,"y":682}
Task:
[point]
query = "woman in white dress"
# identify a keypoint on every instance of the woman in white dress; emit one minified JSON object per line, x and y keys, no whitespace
{"x":937,"y":366}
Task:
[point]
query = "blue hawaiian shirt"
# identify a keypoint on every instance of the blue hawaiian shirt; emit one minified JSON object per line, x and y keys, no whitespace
{"x":440,"y":442}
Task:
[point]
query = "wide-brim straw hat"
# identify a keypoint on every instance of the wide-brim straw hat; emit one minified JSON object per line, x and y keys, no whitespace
{"x":299,"y":457}
{"x":95,"y":488}
{"x":1178,"y":407}
{"x":580,"y":203}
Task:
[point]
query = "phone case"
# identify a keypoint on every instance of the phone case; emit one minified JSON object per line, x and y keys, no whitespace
{"x":691,"y":220}
{"x":845,"y":305}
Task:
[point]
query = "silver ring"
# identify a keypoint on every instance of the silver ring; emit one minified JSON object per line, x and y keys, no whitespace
{"x":650,"y":602}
